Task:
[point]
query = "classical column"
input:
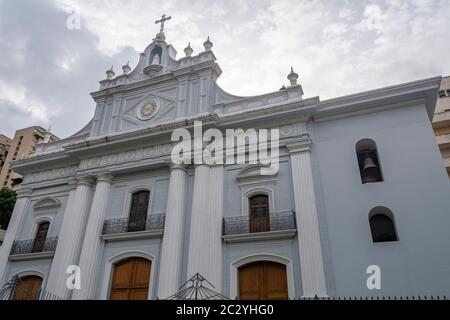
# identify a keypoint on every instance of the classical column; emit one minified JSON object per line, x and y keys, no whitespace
{"x":171,"y":252}
{"x":311,"y":259}
{"x":92,"y":243}
{"x":205,"y":241}
{"x":70,"y":237}
{"x":20,"y":210}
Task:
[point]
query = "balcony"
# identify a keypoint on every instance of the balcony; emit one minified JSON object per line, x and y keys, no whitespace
{"x":441,"y":119}
{"x":29,"y":249}
{"x":124,"y":229}
{"x":443,"y":140}
{"x":275,"y":226}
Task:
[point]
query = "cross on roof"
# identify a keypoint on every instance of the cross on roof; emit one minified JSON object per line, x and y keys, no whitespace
{"x":163,"y":18}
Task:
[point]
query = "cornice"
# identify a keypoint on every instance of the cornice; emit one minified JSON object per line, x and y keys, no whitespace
{"x":171,"y":75}
{"x":421,"y":91}
{"x":302,"y":145}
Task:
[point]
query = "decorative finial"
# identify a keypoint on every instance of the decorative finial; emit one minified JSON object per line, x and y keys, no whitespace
{"x":208,"y":45}
{"x":126,"y":68}
{"x":161,"y":35}
{"x":110,"y":73}
{"x":188,"y":50}
{"x":292,"y":77}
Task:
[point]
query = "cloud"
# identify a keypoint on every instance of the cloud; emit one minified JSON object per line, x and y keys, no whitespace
{"x":337,"y":47}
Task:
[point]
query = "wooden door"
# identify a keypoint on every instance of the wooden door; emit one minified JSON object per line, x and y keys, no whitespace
{"x":259,"y":213}
{"x":131,"y":278}
{"x":138,"y":211}
{"x":41,"y":235}
{"x":263,"y":281}
{"x":28,"y":288}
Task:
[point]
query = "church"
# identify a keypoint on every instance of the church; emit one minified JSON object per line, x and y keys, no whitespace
{"x":360,"y":185}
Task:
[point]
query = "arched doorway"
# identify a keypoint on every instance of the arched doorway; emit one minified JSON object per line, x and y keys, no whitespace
{"x":263,"y":280}
{"x":131,"y":279}
{"x":28,"y":289}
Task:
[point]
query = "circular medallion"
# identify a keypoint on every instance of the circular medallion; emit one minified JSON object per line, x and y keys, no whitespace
{"x":147,"y":109}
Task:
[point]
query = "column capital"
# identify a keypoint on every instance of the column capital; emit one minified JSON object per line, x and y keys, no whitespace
{"x":105,"y":177}
{"x":303,"y":145}
{"x":173,"y":166}
{"x":23,"y":192}
{"x":85,"y":180}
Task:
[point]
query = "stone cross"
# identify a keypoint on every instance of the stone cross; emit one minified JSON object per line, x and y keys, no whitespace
{"x":163,"y":18}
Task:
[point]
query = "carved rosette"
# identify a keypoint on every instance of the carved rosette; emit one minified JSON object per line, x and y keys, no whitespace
{"x":147,"y":109}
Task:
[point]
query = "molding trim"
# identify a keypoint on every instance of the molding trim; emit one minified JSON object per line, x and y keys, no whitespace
{"x":40,"y":218}
{"x":31,"y":272}
{"x":133,"y":235}
{"x":129,"y":194}
{"x":263,"y":189}
{"x":235,"y":265}
{"x":303,"y":145}
{"x":260,"y":236}
{"x":46,"y":203}
{"x":107,"y":275}
{"x":253,"y":172}
{"x":32,"y":256}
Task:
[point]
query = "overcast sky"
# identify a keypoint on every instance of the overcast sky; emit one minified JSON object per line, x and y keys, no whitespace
{"x":338,"y":47}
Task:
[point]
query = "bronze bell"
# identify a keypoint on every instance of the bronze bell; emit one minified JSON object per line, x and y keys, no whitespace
{"x":370,"y":169}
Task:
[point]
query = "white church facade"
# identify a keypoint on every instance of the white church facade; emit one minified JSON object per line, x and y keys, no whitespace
{"x":360,"y":183}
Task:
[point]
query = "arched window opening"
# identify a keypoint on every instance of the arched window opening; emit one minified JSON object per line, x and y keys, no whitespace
{"x":28,"y":288}
{"x":138,"y":211}
{"x":41,"y":235}
{"x":259,"y":213}
{"x":382,"y":225}
{"x":155,"y":56}
{"x":263,"y":280}
{"x":369,"y":164}
{"x":131,"y":279}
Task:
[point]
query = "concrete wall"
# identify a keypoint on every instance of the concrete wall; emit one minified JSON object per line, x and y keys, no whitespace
{"x":415,"y":189}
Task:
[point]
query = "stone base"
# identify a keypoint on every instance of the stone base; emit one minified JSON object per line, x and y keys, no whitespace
{"x":152,"y":69}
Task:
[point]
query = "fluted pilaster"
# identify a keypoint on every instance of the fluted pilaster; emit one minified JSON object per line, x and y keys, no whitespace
{"x":171,"y":253}
{"x":311,"y":259}
{"x":92,"y":243}
{"x":205,"y":242}
{"x":20,"y":209}
{"x":70,"y":237}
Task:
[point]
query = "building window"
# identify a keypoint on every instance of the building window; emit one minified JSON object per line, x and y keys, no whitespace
{"x":369,"y":164}
{"x":382,"y":225}
{"x":138,"y":211}
{"x":131,"y":279}
{"x":444,"y":93}
{"x":259,"y":213}
{"x":28,"y":288}
{"x":41,"y":235}
{"x":263,"y":280}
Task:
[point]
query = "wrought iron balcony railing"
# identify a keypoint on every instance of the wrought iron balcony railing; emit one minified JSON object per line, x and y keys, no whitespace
{"x":245,"y":224}
{"x":33,"y":246}
{"x":124,"y":225}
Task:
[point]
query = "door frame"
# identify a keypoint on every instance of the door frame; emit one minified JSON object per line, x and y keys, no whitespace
{"x":235,"y":265}
{"x":30,"y":272}
{"x":109,"y":267}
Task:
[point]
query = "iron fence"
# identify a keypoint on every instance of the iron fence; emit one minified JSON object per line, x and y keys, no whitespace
{"x":124,"y":225}
{"x":278,"y":221}
{"x":28,"y":246}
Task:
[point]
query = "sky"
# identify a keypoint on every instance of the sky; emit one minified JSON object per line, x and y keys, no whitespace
{"x":48,"y":68}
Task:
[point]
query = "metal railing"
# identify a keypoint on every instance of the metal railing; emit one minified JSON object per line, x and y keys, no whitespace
{"x":28,"y":246}
{"x":123,"y":225}
{"x":278,"y":221}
